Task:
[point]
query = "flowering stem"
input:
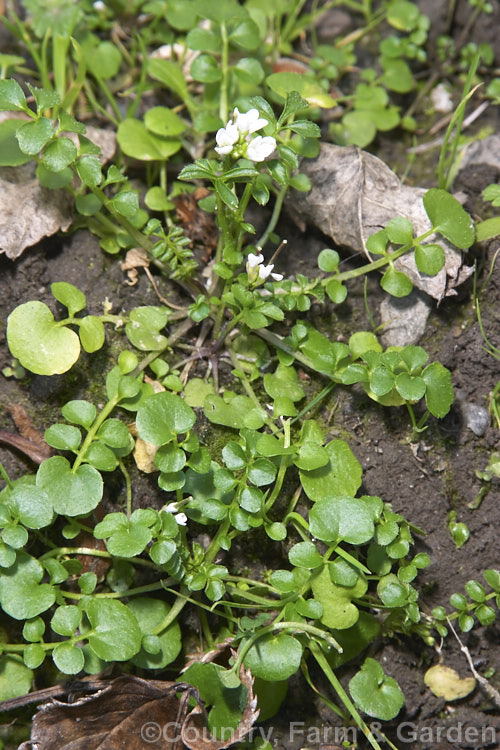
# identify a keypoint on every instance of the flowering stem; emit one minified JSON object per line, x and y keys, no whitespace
{"x":224,"y":69}
{"x":278,"y":205}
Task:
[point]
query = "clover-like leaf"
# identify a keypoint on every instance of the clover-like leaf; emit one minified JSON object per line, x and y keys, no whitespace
{"x":449,"y":218}
{"x":22,"y":596}
{"x":163,"y":416}
{"x":38,"y":342}
{"x":340,"y":476}
{"x":339,"y":612}
{"x":376,"y":693}
{"x":115,"y":635}
{"x":73,"y":493}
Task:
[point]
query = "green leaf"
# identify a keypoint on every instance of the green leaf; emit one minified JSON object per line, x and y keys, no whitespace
{"x":15,"y":678}
{"x":66,"y":619}
{"x":164,"y":121}
{"x":89,"y":170}
{"x":340,"y":476}
{"x":137,"y":141}
{"x":100,"y":456}
{"x":249,"y":70}
{"x":223,"y":691}
{"x":59,"y":154}
{"x":336,"y":291}
{"x":53,"y":180}
{"x":33,"y":136}
{"x":115,"y":635}
{"x":92,"y":333}
{"x":22,"y":596}
{"x":341,"y":518}
{"x":205,"y":69}
{"x":274,"y":657}
{"x":410,"y":388}
{"x":10,"y":153}
{"x":397,"y":75}
{"x":485,"y":230}
{"x":284,"y":382}
{"x":88,"y":205}
{"x":69,"y":296}
{"x":79,"y":412}
{"x":104,"y":60}
{"x":396,"y":283}
{"x":163,"y":416}
{"x":391,"y":592}
{"x":143,"y":329}
{"x":240,"y":412}
{"x":150,"y":613}
{"x":311,"y":456}
{"x":15,"y":536}
{"x":338,"y":610}
{"x":68,"y":658}
{"x":305,"y":555}
{"x":360,"y":129}
{"x":64,"y":437}
{"x":449,"y":218}
{"x":439,"y":389}
{"x":38,"y":342}
{"x":12,"y":97}
{"x":32,"y":505}
{"x":114,"y":433}
{"x":328,"y":260}
{"x":305,"y":128}
{"x":308,"y":89}
{"x":429,"y":259}
{"x":399,"y":230}
{"x":363,"y":341}
{"x":245,"y":35}
{"x":170,"y":74}
{"x":204,"y":40}
{"x":73,"y":493}
{"x":33,"y":656}
{"x":126,"y":204}
{"x":375,"y":693}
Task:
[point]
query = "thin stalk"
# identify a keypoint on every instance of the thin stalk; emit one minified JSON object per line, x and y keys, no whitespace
{"x":128,"y":486}
{"x":120,"y":594}
{"x":103,"y":415}
{"x":91,"y":552}
{"x":224,"y":65}
{"x":335,"y":682}
{"x":5,"y":476}
{"x":278,"y":205}
{"x":175,"y":610}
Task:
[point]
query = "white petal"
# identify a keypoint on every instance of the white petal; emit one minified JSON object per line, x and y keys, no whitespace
{"x":249,"y":122}
{"x":254,"y":260}
{"x":227,"y":136}
{"x":223,"y":150}
{"x":170,"y":508}
{"x":261,"y":147}
{"x":181,"y":519}
{"x":265,"y":271}
{"x":277,"y":276}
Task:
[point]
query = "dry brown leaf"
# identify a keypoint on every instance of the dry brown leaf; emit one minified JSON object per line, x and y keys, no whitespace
{"x":144,"y":456}
{"x":133,"y":713}
{"x":354,"y":195}
{"x":31,"y":212}
{"x":29,"y":440}
{"x":134,"y":259}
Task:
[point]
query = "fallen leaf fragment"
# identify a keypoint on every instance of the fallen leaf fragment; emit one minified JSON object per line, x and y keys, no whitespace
{"x":354,"y":195}
{"x":144,"y":456}
{"x":445,"y":682}
{"x":133,"y":713}
{"x":134,"y":259}
{"x":29,"y":211}
{"x":29,"y":440}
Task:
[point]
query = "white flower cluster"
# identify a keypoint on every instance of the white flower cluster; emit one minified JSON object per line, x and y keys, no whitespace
{"x":236,"y":138}
{"x":256,"y":270}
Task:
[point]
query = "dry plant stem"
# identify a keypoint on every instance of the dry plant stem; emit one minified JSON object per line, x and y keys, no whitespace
{"x":423,"y":147}
{"x":66,"y":688}
{"x":488,"y":689}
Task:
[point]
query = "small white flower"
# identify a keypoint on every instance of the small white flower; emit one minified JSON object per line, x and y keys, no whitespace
{"x":170,"y":508}
{"x":181,"y":519}
{"x":99,"y":5}
{"x":266,"y":271}
{"x":254,"y":260}
{"x":248,"y":122}
{"x":261,"y":147}
{"x":226,"y":138}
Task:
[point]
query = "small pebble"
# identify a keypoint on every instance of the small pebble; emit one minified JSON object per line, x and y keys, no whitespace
{"x":476,"y":417}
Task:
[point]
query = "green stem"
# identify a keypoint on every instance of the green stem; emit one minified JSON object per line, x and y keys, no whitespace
{"x":121,"y":594}
{"x":103,"y":415}
{"x":335,"y":682}
{"x":278,"y":205}
{"x":224,"y":64}
{"x":63,"y":551}
{"x":5,"y":476}
{"x":175,"y":610}
{"x":128,"y":486}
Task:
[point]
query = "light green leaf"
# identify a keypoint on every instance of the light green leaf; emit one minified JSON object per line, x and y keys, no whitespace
{"x":274,"y":657}
{"x":22,"y":596}
{"x":345,"y":518}
{"x":449,"y":218}
{"x":137,"y":141}
{"x":116,"y":635}
{"x":38,"y":342}
{"x":150,"y":613}
{"x":439,"y":389}
{"x":15,"y":678}
{"x":72,"y":493}
{"x":339,"y":612}
{"x":163,"y":416}
{"x":340,"y":476}
{"x":375,"y":693}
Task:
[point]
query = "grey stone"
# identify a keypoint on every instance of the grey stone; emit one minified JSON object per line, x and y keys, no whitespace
{"x":404,"y":318}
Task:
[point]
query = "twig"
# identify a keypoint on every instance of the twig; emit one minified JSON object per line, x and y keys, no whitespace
{"x":488,"y":689}
{"x":423,"y":147}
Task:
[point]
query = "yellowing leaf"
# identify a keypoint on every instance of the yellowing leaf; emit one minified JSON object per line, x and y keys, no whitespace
{"x":445,"y":682}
